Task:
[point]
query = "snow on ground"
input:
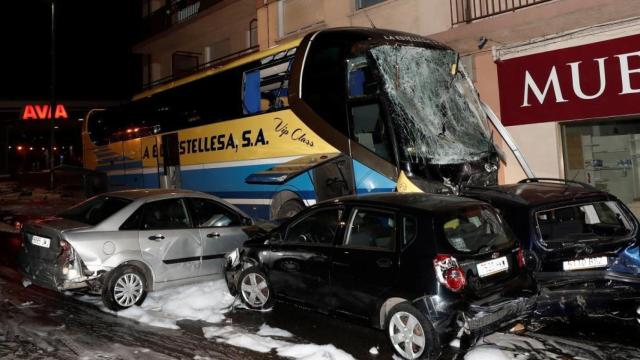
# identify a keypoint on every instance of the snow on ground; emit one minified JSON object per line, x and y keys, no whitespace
{"x":209,"y":301}
{"x":262,"y":343}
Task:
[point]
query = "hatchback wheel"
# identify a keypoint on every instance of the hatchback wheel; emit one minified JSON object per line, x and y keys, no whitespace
{"x":411,"y":335}
{"x":254,"y":289}
{"x":125,"y":286}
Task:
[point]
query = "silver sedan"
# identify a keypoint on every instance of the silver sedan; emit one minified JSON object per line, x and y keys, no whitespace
{"x":124,"y":244}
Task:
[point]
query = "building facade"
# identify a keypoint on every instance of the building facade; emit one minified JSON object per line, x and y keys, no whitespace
{"x":563,"y":75}
{"x":179,"y":36}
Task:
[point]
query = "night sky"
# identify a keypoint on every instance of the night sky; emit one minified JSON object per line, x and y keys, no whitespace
{"x":93,"y":42}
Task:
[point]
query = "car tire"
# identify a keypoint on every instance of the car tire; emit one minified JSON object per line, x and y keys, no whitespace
{"x":254,"y":289}
{"x":289,"y":208}
{"x":124,"y":287}
{"x":410,"y":333}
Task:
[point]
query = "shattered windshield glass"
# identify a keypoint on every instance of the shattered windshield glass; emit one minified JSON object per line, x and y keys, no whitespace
{"x":436,"y":113}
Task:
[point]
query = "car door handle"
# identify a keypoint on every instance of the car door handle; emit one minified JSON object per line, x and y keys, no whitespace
{"x":212,"y":235}
{"x":384,"y":262}
{"x":156,"y":237}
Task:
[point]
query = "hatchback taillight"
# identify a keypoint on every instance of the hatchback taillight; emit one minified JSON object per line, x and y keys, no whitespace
{"x":521,"y":260}
{"x":449,"y":273}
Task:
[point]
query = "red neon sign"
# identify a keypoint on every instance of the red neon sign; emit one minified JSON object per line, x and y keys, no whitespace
{"x":43,"y":112}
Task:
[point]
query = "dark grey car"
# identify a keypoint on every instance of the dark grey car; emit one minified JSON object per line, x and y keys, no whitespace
{"x":124,"y":244}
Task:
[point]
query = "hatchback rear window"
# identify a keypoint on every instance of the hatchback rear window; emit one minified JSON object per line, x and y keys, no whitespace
{"x":94,"y":211}
{"x":583,"y":222}
{"x":475,"y":229}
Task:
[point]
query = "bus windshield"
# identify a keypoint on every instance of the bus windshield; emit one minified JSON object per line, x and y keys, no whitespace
{"x":435,"y":110}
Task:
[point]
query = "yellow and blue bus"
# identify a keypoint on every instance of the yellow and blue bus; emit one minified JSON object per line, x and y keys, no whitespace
{"x":340,"y":111}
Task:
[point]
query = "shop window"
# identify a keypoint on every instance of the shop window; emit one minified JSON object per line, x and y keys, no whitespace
{"x":606,"y":155}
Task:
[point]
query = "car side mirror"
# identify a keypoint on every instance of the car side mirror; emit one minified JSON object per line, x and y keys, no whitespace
{"x":247,"y":221}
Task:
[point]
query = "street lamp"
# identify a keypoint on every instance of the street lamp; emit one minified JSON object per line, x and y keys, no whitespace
{"x":53,"y":91}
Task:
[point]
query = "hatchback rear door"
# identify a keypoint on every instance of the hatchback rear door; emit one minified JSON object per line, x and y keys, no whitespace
{"x":365,"y":262}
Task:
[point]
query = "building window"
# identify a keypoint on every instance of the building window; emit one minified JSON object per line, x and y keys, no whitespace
{"x":184,"y":62}
{"x":253,"y":33}
{"x":605,"y":154}
{"x":360,"y":4}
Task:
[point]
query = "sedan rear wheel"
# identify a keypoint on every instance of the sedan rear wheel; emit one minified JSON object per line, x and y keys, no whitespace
{"x":255,"y":290}
{"x":410,"y":333}
{"x":124,"y":287}
{"x":128,"y":290}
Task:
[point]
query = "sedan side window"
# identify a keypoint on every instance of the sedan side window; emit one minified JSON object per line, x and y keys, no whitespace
{"x":133,"y":222}
{"x":317,"y":228}
{"x":208,"y":213}
{"x":165,"y":214}
{"x":371,"y":229}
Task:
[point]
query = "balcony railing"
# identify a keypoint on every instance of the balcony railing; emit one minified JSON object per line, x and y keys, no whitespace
{"x":173,"y":13}
{"x":464,"y":11}
{"x":208,"y":65}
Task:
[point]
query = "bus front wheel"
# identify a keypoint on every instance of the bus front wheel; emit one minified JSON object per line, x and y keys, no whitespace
{"x":290,"y":208}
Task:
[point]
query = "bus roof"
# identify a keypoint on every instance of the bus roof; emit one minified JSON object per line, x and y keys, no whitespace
{"x":214,"y":70}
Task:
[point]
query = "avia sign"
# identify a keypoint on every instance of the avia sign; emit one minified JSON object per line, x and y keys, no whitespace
{"x":589,"y":81}
{"x":43,"y":112}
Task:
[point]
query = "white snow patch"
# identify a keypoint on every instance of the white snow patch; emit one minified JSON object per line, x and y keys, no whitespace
{"x":266,"y":330}
{"x":486,"y":352}
{"x":314,"y":352}
{"x":261,"y":343}
{"x":206,"y":301}
{"x":237,"y":337}
{"x":374,"y":351}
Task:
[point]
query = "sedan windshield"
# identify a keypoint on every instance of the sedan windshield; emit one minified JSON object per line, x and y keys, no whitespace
{"x":94,"y":211}
{"x":436,"y":112}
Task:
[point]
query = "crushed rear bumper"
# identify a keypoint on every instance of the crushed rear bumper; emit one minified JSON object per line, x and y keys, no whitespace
{"x":483,"y":318}
{"x":586,"y":292}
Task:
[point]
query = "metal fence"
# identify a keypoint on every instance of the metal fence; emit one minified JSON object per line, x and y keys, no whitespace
{"x":211,"y":64}
{"x":464,"y":11}
{"x":171,"y":14}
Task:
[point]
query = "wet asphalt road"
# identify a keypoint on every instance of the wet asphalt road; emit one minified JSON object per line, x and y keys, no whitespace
{"x":37,"y":323}
{"x":40,"y":324}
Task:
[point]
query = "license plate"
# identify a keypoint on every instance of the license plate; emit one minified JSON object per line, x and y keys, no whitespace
{"x":492,"y":266}
{"x":40,"y":241}
{"x":588,"y":263}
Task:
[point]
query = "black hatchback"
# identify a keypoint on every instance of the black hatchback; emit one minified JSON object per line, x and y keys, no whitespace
{"x":416,"y":265}
{"x":580,"y":242}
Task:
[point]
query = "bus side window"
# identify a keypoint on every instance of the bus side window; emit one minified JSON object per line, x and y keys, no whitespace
{"x":368,"y":125}
{"x":361,"y":81}
{"x":251,"y":92}
{"x":369,"y":129}
{"x":266,"y":88}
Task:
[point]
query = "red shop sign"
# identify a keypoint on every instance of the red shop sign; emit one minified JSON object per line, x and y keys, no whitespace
{"x":43,"y":112}
{"x":588,"y":81}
